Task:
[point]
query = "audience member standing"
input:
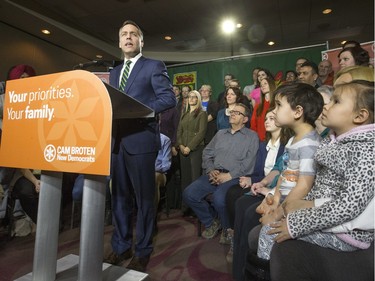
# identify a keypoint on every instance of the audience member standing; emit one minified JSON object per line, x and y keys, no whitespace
{"x":249,"y":88}
{"x":211,"y":107}
{"x":326,"y":73}
{"x":351,"y":56}
{"x":309,"y":74}
{"x":232,"y":96}
{"x":267,"y":86}
{"x":255,"y":95}
{"x":221,"y":98}
{"x":190,"y":139}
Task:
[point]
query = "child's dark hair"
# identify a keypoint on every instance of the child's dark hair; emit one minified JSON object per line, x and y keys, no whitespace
{"x":364,"y":96}
{"x":304,"y":95}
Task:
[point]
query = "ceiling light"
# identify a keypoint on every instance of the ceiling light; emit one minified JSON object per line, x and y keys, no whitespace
{"x":46,"y":31}
{"x":228,"y":26}
{"x":99,"y":56}
{"x":343,"y":42}
{"x":327,"y":11}
{"x":168,"y":38}
{"x":271,"y":43}
{"x":239,"y":25}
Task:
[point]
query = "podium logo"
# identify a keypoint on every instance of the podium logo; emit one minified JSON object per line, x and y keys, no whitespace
{"x":49,"y":153}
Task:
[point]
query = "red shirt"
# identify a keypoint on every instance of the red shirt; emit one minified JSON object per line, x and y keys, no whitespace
{"x":257,"y":122}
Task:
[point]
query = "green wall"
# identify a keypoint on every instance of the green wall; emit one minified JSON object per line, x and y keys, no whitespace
{"x":213,"y":72}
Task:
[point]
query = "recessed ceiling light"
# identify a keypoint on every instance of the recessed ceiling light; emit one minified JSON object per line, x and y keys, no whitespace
{"x":327,"y":11}
{"x":239,"y":25}
{"x":99,"y":56}
{"x":46,"y":31}
{"x":168,"y":38}
{"x":271,"y":43}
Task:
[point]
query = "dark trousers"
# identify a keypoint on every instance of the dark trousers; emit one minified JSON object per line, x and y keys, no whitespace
{"x":133,"y":174}
{"x":246,"y":219}
{"x":296,"y":260}
{"x":191,"y":166}
{"x":234,"y":192}
{"x":24,"y":190}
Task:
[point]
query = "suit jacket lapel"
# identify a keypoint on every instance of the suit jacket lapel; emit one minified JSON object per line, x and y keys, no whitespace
{"x":137,"y":67}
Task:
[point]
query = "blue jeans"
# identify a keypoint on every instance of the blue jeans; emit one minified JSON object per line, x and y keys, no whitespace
{"x":194,"y":196}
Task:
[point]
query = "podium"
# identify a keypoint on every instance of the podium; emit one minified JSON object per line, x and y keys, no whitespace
{"x":62,"y":123}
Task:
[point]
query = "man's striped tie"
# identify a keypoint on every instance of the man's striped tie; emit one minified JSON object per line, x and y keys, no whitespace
{"x":125,"y":75}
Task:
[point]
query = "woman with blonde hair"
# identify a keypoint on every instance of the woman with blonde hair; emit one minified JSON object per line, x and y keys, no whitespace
{"x":190,"y":139}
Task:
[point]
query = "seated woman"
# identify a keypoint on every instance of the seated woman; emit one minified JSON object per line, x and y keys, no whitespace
{"x":267,"y":87}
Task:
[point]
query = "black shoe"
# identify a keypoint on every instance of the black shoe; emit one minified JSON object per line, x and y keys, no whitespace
{"x":139,"y":263}
{"x":116,"y":259}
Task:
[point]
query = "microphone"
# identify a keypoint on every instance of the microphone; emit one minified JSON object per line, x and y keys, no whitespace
{"x":94,"y":62}
{"x":86,"y":64}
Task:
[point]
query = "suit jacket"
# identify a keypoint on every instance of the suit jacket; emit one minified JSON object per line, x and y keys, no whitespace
{"x":148,"y":83}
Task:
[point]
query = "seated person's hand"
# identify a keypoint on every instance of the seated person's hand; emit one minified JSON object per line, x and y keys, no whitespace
{"x":245,"y":182}
{"x":37,"y":185}
{"x":268,"y":218}
{"x":212,"y":177}
{"x":223,"y":177}
{"x":268,"y":205}
{"x":281,"y":229}
{"x":261,"y":190}
{"x":255,"y":187}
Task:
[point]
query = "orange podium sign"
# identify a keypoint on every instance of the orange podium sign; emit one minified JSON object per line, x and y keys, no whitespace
{"x":57,"y":122}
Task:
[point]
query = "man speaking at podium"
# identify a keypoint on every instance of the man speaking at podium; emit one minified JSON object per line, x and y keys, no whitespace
{"x":135,"y":144}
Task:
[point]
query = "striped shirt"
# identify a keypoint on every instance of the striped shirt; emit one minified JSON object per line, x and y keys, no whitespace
{"x":298,"y":159}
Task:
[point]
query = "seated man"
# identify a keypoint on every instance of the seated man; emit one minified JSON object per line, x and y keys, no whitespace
{"x":162,"y":165}
{"x":229,"y":155}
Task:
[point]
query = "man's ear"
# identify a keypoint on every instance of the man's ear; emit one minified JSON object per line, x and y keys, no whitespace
{"x":316,"y":76}
{"x":298,"y":112}
{"x":361,"y":117}
{"x":245,"y":119}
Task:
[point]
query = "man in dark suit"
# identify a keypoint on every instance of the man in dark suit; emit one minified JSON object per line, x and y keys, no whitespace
{"x":135,"y":145}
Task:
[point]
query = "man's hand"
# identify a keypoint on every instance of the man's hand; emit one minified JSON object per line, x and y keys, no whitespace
{"x":223,"y":177}
{"x":245,"y":182}
{"x":212,"y":176}
{"x":216,"y":178}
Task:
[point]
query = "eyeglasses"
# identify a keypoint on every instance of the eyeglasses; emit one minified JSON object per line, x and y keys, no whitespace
{"x":235,"y":112}
{"x":193,"y":97}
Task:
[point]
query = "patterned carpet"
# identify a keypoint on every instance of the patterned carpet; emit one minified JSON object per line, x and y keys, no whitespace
{"x":179,"y":253}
